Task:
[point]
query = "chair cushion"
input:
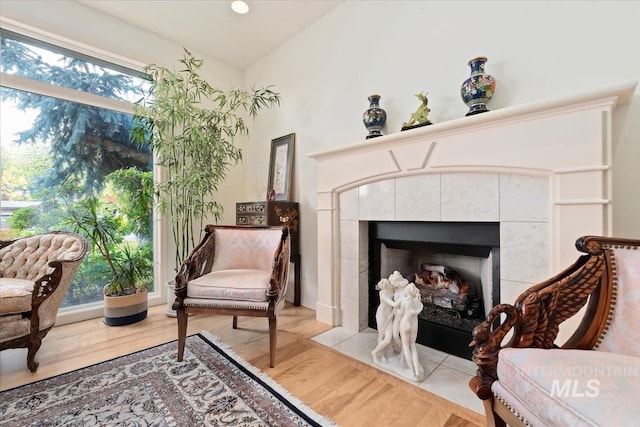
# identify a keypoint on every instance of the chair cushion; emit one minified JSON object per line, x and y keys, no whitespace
{"x":245,"y":248}
{"x":623,"y":335}
{"x":15,"y":295}
{"x":570,"y":387}
{"x":13,"y":326}
{"x":236,"y":285}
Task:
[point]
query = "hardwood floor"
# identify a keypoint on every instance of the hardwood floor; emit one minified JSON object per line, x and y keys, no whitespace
{"x":349,"y":392}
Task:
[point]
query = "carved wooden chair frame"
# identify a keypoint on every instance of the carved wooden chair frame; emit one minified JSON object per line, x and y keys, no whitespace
{"x":200,"y":262}
{"x":45,"y":286}
{"x":537,"y":313}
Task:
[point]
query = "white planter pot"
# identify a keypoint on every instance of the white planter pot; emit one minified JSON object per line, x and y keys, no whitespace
{"x":171,"y":297}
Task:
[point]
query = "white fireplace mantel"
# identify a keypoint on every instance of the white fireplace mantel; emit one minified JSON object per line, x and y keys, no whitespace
{"x":542,"y":170}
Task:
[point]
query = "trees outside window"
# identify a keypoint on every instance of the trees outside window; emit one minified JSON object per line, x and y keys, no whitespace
{"x":68,"y":140}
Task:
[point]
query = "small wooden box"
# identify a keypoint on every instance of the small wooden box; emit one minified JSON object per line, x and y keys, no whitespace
{"x":251,"y":213}
{"x":261,"y":213}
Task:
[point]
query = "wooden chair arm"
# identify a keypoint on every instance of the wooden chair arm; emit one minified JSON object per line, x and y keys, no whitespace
{"x":536,"y":316}
{"x":487,"y":341}
{"x":198,"y":263}
{"x":279,"y":273}
{"x":46,"y":285}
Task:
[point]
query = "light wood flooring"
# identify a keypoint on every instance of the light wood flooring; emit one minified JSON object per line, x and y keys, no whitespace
{"x":349,"y":392}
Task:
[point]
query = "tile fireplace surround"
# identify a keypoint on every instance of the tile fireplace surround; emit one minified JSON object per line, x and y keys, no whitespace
{"x":543,"y":171}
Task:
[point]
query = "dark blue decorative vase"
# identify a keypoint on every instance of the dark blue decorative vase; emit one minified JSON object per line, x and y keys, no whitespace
{"x":478,"y":89}
{"x":374,"y":118}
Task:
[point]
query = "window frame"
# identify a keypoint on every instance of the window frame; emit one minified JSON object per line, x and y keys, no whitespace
{"x":62,"y":45}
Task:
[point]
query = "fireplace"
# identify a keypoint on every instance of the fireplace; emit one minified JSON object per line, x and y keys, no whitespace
{"x":541,"y":171}
{"x":471,"y":250}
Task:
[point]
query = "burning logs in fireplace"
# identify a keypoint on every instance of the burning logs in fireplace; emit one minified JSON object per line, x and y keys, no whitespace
{"x":443,"y":287}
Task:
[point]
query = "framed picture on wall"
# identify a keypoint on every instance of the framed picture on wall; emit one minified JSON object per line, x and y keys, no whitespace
{"x":281,"y":167}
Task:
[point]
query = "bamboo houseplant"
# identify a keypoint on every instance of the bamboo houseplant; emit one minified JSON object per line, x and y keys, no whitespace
{"x":191,"y":126}
{"x":104,"y":220}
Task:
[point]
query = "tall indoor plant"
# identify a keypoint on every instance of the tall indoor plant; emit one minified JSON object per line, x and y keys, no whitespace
{"x":191,"y":126}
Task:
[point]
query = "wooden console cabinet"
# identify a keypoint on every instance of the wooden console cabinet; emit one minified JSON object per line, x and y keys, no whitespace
{"x":263,"y":214}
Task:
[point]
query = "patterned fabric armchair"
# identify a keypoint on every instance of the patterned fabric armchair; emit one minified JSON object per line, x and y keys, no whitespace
{"x":591,"y":380}
{"x":35,"y":274}
{"x":238,"y":271}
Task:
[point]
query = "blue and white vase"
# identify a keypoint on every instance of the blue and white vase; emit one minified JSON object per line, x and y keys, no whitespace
{"x":478,"y":89}
{"x":374,"y":118}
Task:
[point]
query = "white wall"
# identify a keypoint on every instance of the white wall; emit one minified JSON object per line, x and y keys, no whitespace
{"x":536,"y":50}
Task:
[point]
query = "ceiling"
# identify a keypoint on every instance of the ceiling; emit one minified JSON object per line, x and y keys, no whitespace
{"x":210,"y":27}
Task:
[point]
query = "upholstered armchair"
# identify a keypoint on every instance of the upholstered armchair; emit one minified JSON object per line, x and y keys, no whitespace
{"x":35,"y":274}
{"x":590,"y":380}
{"x":238,"y":271}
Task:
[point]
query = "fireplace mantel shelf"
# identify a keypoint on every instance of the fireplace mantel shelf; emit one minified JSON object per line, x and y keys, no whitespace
{"x":615,"y":95}
{"x":543,"y":171}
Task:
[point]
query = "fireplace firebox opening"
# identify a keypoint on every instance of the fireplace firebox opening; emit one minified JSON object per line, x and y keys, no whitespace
{"x":457,"y":268}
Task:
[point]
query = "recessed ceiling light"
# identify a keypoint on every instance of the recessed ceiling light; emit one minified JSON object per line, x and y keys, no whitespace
{"x":240,"y":7}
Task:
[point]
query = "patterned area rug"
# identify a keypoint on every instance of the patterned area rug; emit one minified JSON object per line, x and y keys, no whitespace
{"x":211,"y":387}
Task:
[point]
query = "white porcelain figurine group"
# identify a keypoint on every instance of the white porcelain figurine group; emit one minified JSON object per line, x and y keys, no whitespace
{"x":397,"y":322}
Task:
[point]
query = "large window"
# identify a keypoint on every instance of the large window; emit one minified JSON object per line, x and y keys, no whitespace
{"x":65,"y":137}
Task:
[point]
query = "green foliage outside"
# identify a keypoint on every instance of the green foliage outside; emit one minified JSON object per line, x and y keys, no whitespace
{"x":87,"y":143}
{"x":105,"y":221}
{"x":118,"y":225}
{"x":23,"y":218}
{"x":75,"y":158}
{"x":17,"y":168}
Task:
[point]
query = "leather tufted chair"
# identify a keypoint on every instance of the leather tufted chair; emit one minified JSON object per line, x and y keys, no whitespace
{"x":35,"y":274}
